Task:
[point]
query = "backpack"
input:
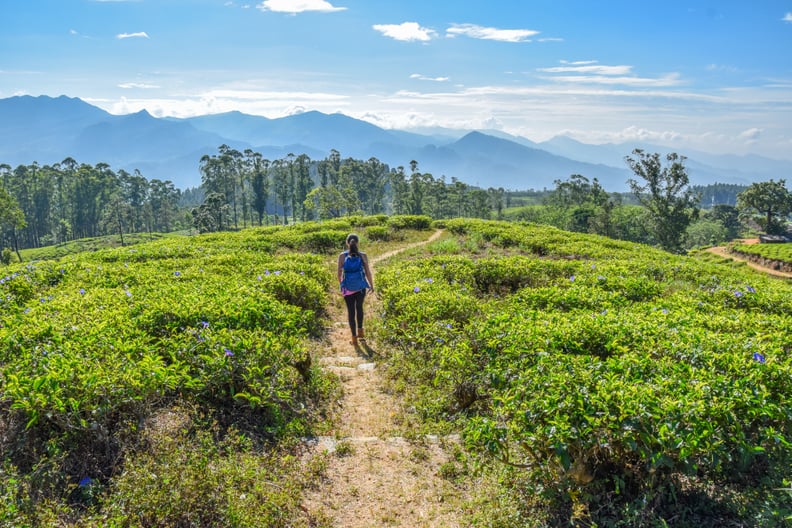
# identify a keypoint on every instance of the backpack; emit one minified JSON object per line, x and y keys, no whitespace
{"x":354,"y":276}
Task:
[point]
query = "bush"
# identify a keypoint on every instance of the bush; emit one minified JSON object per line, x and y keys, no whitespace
{"x":410,"y":222}
{"x":379,"y":233}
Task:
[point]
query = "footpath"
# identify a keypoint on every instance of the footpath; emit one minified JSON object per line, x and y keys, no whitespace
{"x":374,"y":475}
{"x":723,"y":251}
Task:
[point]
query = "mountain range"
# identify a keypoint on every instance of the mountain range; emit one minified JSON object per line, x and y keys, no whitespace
{"x":47,"y":130}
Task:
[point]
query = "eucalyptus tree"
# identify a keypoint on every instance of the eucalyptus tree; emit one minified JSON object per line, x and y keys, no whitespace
{"x":373,"y":185}
{"x":257,"y":169}
{"x":497,"y":198}
{"x":230,"y":160}
{"x":479,"y":204}
{"x":281,"y":185}
{"x":436,"y":202}
{"x":458,"y":198}
{"x":163,"y":204}
{"x":417,"y":189}
{"x":135,"y":194}
{"x":303,"y":183}
{"x":12,"y":219}
{"x":400,"y":191}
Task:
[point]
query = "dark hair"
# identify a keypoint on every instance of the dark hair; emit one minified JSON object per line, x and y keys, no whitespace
{"x":353,"y":240}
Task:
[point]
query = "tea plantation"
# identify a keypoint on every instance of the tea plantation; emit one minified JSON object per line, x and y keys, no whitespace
{"x":613,"y":384}
{"x":593,"y":382}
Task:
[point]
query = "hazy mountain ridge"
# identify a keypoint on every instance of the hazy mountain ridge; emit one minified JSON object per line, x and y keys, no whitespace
{"x":47,"y":130}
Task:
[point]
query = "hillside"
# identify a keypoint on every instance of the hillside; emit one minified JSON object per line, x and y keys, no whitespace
{"x":514,"y":374}
{"x":47,"y":130}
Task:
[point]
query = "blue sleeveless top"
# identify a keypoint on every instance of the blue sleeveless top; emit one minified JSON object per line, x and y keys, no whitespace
{"x":354,"y":276}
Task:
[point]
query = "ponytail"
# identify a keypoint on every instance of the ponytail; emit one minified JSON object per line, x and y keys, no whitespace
{"x":352,"y":240}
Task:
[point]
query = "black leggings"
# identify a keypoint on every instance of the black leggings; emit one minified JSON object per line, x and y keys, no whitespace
{"x":354,"y":305}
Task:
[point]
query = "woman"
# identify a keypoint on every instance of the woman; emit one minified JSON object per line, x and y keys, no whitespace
{"x":354,"y":277}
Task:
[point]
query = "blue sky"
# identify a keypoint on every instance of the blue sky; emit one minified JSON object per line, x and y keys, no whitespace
{"x":713,"y":75}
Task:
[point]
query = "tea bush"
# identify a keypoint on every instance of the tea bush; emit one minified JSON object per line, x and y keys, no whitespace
{"x":611,"y":375}
{"x":94,"y":345}
{"x":410,"y":222}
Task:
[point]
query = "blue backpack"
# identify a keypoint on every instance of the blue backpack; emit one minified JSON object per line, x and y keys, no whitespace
{"x":354,"y":277}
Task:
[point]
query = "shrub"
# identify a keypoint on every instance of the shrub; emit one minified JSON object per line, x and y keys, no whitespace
{"x":378,"y":233}
{"x":410,"y":222}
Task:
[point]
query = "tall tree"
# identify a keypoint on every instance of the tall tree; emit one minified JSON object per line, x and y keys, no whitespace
{"x":258,"y":171}
{"x":281,"y":187}
{"x":303,"y":183}
{"x":12,"y":219}
{"x":665,"y":192}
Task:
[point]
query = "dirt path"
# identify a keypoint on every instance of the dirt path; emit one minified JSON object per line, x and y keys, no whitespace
{"x":376,"y":477}
{"x":722,"y":251}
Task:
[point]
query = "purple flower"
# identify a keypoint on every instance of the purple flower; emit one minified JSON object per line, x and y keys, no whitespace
{"x":82,"y":291}
{"x":738,"y":294}
{"x":85,"y":482}
{"x":750,"y":289}
{"x":429,"y":280}
{"x":758,"y":357}
{"x":665,"y":311}
{"x":266,"y":272}
{"x":416,"y":289}
{"x":259,"y":277}
{"x":277,"y":272}
{"x":128,"y":293}
{"x":177,"y":273}
{"x":204,"y":324}
{"x":228,"y":353}
{"x":572,"y":278}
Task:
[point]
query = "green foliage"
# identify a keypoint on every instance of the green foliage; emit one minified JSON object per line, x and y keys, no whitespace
{"x":613,"y":375}
{"x":778,"y":252}
{"x":665,"y":192}
{"x":378,"y":232}
{"x":768,"y":203}
{"x":198,"y":481}
{"x":410,"y":222}
{"x":95,"y":345}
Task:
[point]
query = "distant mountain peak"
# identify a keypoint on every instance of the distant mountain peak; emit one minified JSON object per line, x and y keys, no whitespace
{"x":46,"y":130}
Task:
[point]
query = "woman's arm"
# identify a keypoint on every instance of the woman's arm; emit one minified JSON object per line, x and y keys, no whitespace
{"x":367,"y":269}
{"x":340,"y":267}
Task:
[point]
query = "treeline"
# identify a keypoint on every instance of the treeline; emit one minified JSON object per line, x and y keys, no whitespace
{"x":244,"y":188}
{"x":50,"y":204}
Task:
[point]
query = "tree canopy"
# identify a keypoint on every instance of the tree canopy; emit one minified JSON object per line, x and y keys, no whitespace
{"x":768,"y":203}
{"x":665,"y":193}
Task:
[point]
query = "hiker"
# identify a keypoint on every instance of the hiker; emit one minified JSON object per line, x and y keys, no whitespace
{"x":354,"y":277}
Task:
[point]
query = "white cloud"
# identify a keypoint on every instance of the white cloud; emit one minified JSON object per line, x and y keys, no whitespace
{"x":425,"y":78}
{"x":751,"y":135}
{"x":591,"y":72}
{"x":139,"y":34}
{"x":596,"y":69}
{"x":787,"y":17}
{"x":298,"y":6}
{"x":665,"y":81}
{"x":143,"y":86}
{"x":489,"y":33}
{"x":406,"y":31}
